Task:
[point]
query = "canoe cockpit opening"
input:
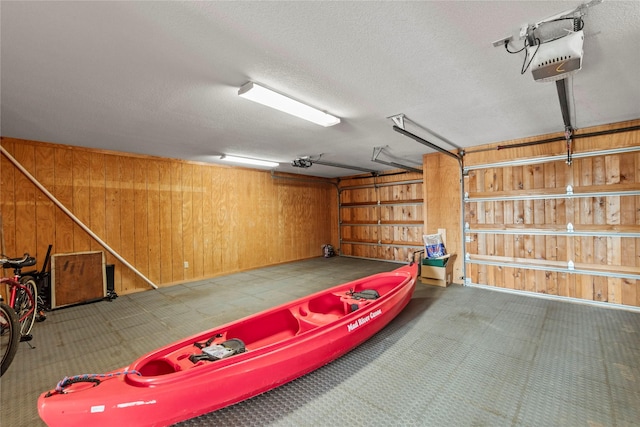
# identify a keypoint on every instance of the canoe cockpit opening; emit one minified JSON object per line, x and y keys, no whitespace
{"x":157,"y":367}
{"x":261,"y":331}
{"x":327,"y":304}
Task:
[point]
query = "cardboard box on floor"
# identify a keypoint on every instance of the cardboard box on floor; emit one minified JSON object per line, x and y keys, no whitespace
{"x":438,"y":276}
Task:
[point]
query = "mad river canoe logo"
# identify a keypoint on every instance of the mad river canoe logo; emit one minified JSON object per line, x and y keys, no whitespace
{"x":364,"y":319}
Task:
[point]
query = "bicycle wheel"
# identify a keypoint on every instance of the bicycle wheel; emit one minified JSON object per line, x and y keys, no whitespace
{"x":9,"y":336}
{"x":26,"y":306}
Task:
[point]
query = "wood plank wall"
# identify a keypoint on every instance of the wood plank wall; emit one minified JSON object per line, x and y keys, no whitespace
{"x":381,"y":216}
{"x":160,"y":213}
{"x":442,"y":205}
{"x":611,"y":214}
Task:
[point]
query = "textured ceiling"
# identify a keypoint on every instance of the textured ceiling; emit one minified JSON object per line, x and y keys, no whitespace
{"x":161,"y":78}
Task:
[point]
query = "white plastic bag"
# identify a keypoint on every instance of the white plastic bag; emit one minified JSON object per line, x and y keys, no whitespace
{"x":434,"y":246}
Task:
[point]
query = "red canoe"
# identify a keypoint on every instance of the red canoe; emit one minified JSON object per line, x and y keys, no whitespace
{"x":233,"y":362}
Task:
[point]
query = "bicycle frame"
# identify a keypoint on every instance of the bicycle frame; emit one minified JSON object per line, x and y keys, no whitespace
{"x":14,"y":284}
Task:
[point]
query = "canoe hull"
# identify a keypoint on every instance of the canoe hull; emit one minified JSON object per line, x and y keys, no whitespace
{"x":170,"y":390}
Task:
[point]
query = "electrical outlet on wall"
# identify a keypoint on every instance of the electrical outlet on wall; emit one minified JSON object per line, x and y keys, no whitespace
{"x":186,"y":264}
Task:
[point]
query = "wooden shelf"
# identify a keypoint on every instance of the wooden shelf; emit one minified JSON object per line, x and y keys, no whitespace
{"x":592,"y":230}
{"x":555,"y":193}
{"x":381,"y":242}
{"x":404,"y":223}
{"x":383,"y":203}
{"x":618,"y":271}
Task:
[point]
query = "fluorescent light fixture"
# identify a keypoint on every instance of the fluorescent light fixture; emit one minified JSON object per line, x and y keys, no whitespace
{"x":264,"y":96}
{"x":248,"y":161}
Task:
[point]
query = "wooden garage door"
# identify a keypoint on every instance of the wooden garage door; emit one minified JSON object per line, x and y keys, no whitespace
{"x":381,"y":217}
{"x":545,"y":226}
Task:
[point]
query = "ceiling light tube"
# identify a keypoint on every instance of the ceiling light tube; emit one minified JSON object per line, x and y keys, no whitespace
{"x":264,"y":96}
{"x":248,"y":161}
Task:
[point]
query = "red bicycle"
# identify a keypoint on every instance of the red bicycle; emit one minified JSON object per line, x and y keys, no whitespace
{"x":23,"y":292}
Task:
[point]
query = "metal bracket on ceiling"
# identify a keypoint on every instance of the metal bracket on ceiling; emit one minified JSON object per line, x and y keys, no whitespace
{"x":378,"y":150}
{"x":398,"y":119}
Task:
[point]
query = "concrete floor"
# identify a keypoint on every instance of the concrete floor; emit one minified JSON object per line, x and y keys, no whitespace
{"x":456,"y":356}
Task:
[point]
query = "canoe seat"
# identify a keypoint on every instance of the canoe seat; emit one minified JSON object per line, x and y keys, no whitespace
{"x":327,"y":304}
{"x":313,"y":320}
